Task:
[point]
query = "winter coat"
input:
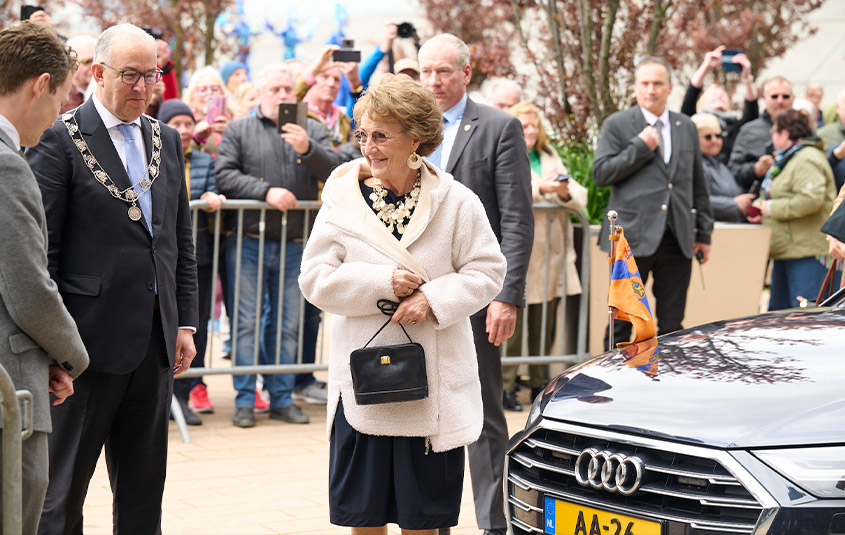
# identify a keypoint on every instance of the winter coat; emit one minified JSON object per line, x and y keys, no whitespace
{"x":552,"y":166}
{"x":348,"y":265}
{"x":802,"y":197}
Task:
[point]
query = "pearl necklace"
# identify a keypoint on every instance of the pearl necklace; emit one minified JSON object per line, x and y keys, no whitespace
{"x":395,"y":214}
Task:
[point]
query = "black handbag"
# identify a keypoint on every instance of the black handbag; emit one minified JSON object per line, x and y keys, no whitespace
{"x":388,"y":374}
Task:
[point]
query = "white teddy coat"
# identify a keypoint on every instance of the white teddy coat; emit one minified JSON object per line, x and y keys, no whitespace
{"x":348,"y":265}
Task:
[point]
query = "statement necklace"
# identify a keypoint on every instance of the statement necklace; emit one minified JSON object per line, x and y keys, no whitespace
{"x":128,"y":195}
{"x":395,"y":214}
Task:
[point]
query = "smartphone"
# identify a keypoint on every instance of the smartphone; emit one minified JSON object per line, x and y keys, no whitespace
{"x":562,"y":178}
{"x":347,"y":55}
{"x":215,"y":107}
{"x":292,"y":112}
{"x":727,"y":60}
{"x":27,"y":11}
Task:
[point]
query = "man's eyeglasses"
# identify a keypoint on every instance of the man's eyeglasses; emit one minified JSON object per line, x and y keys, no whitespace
{"x":712,"y":137}
{"x":783,"y":97}
{"x":377,"y":137}
{"x":131,"y":77}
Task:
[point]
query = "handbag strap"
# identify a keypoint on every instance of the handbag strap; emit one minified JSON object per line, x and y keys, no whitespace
{"x":388,"y":308}
{"x":829,"y":285}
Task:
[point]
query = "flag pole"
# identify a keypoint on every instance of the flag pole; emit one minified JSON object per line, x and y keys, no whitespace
{"x":611,"y":216}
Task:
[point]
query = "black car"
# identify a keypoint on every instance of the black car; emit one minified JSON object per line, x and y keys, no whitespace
{"x":732,"y":427}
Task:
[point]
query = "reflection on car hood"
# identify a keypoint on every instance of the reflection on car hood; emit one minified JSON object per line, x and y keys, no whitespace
{"x":770,"y":380}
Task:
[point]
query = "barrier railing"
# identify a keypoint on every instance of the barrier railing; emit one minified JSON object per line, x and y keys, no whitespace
{"x":15,"y":431}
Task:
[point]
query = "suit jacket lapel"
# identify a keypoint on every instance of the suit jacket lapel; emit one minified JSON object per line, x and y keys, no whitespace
{"x":99,"y":142}
{"x":676,"y":144}
{"x":465,"y":131}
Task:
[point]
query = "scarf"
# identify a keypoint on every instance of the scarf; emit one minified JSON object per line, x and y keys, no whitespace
{"x":782,"y":157}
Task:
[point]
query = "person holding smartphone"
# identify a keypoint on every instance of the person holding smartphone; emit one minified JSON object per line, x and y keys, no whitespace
{"x":550,"y":182}
{"x":715,"y":100}
{"x":207,"y":97}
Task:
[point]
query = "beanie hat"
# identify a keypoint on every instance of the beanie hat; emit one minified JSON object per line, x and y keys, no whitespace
{"x":230,"y":67}
{"x":173,"y":107}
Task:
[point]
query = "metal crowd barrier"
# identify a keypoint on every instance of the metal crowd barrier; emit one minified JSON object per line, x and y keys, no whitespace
{"x":14,"y":433}
{"x":235,"y":239}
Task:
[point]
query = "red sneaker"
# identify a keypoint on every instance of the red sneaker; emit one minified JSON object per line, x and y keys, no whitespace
{"x":260,"y":404}
{"x":199,"y":400}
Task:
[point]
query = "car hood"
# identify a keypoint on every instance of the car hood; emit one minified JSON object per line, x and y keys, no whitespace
{"x":771,"y":380}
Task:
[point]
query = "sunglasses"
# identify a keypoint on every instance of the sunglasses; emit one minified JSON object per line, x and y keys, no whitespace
{"x":712,"y":137}
{"x":782,"y":97}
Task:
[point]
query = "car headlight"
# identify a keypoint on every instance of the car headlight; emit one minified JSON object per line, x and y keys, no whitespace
{"x":819,"y":471}
{"x":537,"y":408}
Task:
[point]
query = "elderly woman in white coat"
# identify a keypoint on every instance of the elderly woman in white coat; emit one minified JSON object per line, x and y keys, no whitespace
{"x":393,"y":226}
{"x":551,"y":228}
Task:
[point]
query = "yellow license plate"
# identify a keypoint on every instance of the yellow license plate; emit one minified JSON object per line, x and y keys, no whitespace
{"x":563,"y":518}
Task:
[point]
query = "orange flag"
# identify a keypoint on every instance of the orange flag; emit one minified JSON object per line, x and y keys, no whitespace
{"x":627,"y":294}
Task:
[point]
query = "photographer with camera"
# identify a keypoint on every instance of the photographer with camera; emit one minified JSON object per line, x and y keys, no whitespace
{"x":716,"y":101}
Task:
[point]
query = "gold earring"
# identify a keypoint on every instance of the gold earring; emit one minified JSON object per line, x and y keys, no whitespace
{"x":414,"y":161}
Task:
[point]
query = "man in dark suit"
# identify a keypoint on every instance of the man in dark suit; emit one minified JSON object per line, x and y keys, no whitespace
{"x":42,"y":352}
{"x":485,"y":150}
{"x":651,"y":159}
{"x":120,"y":250}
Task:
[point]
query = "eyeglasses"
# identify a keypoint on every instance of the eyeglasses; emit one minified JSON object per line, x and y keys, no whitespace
{"x":712,"y":137}
{"x":378,"y":138}
{"x":783,"y":97}
{"x":131,"y":77}
{"x":213,"y":89}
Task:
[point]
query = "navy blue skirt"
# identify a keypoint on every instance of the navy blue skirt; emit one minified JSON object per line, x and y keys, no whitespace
{"x":375,"y":480}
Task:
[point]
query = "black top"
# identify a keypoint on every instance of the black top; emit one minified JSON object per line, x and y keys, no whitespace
{"x":391,"y":197}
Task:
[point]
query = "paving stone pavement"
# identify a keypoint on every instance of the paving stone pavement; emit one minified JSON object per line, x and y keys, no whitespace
{"x":270,"y":479}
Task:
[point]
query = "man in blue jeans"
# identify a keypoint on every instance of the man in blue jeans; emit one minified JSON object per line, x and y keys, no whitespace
{"x":255,"y":161}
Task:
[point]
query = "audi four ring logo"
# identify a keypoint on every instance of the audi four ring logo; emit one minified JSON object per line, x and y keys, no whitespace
{"x":614,"y":472}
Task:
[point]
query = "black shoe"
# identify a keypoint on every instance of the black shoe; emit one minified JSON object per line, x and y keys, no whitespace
{"x":291,"y":414}
{"x":509,"y":401}
{"x":495,"y":532}
{"x":244,"y":417}
{"x":190,"y":417}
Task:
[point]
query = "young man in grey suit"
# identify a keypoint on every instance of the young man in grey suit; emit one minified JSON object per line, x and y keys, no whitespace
{"x":485,"y":150}
{"x":120,"y":249}
{"x":44,"y":352}
{"x":651,"y":159}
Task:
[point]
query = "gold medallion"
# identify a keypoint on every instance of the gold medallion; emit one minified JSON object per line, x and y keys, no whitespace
{"x":134,"y":213}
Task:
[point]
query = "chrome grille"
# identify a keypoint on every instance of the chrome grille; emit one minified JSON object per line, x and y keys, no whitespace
{"x":680,"y":484}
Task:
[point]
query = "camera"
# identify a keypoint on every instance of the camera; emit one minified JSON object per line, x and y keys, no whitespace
{"x":405,"y":30}
{"x":347,"y":52}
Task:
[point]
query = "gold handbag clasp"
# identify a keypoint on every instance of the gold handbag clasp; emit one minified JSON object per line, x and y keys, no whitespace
{"x":385,"y":359}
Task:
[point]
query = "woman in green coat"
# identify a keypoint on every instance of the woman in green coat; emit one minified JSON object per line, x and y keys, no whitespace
{"x":796,"y":197}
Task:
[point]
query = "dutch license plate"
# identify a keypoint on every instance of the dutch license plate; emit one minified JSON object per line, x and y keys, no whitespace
{"x":563,"y":518}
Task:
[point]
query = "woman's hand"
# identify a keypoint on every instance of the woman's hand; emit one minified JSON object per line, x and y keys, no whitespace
{"x":220,"y":124}
{"x":405,"y":282}
{"x":412,"y":309}
{"x":202,"y":130}
{"x":560,"y":188}
{"x":835,"y":248}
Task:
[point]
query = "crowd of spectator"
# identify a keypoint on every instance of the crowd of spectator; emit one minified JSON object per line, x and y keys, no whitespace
{"x":671,"y":175}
